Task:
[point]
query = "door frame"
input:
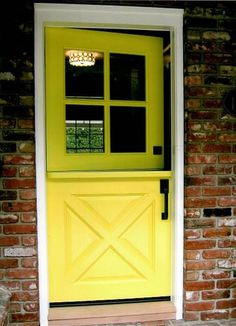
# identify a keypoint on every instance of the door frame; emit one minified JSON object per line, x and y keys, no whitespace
{"x":126,"y":17}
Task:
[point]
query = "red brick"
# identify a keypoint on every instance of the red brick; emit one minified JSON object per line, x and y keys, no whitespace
{"x":202,"y":137}
{"x":15,"y":307}
{"x":192,"y":234}
{"x":31,"y":307}
{"x":26,"y":124}
{"x":216,"y":233}
{"x":9,"y":171}
{"x":214,"y":254}
{"x":214,"y":315}
{"x":227,"y":243}
{"x":217,"y":169}
{"x":191,"y":275}
{"x":19,"y":159}
{"x":215,"y":295}
{"x":203,"y":115}
{"x":29,"y":285}
{"x":199,"y":306}
{"x":200,"y":202}
{"x":227,"y":201}
{"x":202,"y":159}
{"x":193,"y":191}
{"x":192,"y":213}
{"x":227,"y":159}
{"x":233,"y":313}
{"x":18,"y":183}
{"x":24,"y":296}
{"x":225,"y":304}
{"x":26,"y":147}
{"x":192,"y":170}
{"x":19,"y":318}
{"x":192,"y":255}
{"x":23,"y":273}
{"x":230,"y":137}
{"x":19,"y":206}
{"x":192,"y":296}
{"x":8,"y":218}
{"x":201,"y":181}
{"x":201,"y":91}
{"x":26,"y":171}
{"x":9,"y":241}
{"x":200,"y":265}
{"x":29,"y":241}
{"x":193,"y":148}
{"x":200,"y":223}
{"x":226,"y":284}
{"x":28,"y":217}
{"x":29,"y":262}
{"x":27,"y":194}
{"x":11,"y":285}
{"x":199,"y":285}
{"x":215,"y":274}
{"x":191,"y":316}
{"x":200,"y":244}
{"x":19,"y":229}
{"x":216,"y":148}
{"x":194,"y":126}
{"x":216,"y":191}
{"x":8,"y":263}
{"x":193,"y":103}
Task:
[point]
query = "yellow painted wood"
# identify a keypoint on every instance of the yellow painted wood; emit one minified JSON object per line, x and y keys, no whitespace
{"x":107,"y":239}
{"x":58,"y":40}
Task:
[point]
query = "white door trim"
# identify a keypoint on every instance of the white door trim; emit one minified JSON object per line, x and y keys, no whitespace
{"x":125,"y":17}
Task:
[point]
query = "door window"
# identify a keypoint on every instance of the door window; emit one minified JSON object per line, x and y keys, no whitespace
{"x":104,"y":101}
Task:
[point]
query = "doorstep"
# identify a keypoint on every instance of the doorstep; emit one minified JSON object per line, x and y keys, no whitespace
{"x":112,"y":314}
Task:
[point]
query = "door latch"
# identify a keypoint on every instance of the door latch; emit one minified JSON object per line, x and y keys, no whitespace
{"x":164,"y":189}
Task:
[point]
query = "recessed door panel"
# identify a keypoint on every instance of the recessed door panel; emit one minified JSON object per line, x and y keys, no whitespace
{"x":107,"y":239}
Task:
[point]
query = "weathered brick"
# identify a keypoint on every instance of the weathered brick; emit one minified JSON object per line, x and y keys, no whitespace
{"x":192,"y":296}
{"x":199,"y":306}
{"x":24,"y":317}
{"x":226,"y":284}
{"x":192,"y":213}
{"x":8,"y":218}
{"x":199,"y":285}
{"x":26,"y":171}
{"x":201,"y":181}
{"x":18,"y":183}
{"x":216,"y":148}
{"x":217,"y":314}
{"x":192,"y":234}
{"x":200,"y":202}
{"x":215,"y":295}
{"x":216,"y":233}
{"x":228,"y":263}
{"x":19,"y":206}
{"x":217,"y":169}
{"x":213,"y":254}
{"x":28,"y":194}
{"x":192,"y":255}
{"x":23,"y":273}
{"x":191,"y":316}
{"x":204,"y":159}
{"x":216,"y":191}
{"x":225,"y":304}
{"x":200,"y":265}
{"x":26,"y":147}
{"x":19,"y":252}
{"x":199,"y":223}
{"x":215,"y":274}
{"x":191,"y":275}
{"x":29,"y":262}
{"x":19,"y":229}
{"x":24,"y":296}
{"x":227,"y":159}
{"x":18,"y":159}
{"x":200,"y":244}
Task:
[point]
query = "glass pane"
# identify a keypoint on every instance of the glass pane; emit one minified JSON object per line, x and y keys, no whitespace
{"x":84,"y":129}
{"x":84,"y":79}
{"x":127,"y":77}
{"x":128,"y":129}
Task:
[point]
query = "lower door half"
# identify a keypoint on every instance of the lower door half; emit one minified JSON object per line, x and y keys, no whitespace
{"x":107,"y":239}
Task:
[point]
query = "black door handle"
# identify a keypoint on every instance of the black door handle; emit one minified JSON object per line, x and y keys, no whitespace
{"x":164,"y":189}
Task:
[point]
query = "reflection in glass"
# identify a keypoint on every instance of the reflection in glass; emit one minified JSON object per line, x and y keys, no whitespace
{"x":128,"y":129}
{"x":86,"y":81}
{"x":84,"y":129}
{"x":127,"y":77}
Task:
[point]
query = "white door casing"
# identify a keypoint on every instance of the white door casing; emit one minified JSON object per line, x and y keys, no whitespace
{"x":115,"y":17}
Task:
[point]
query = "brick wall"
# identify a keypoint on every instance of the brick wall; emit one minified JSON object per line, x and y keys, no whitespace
{"x":210,"y":222}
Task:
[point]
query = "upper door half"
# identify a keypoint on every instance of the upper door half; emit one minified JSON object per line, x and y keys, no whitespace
{"x":104,"y":101}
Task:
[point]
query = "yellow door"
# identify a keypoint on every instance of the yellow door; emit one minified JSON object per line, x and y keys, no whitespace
{"x":107,"y":196}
